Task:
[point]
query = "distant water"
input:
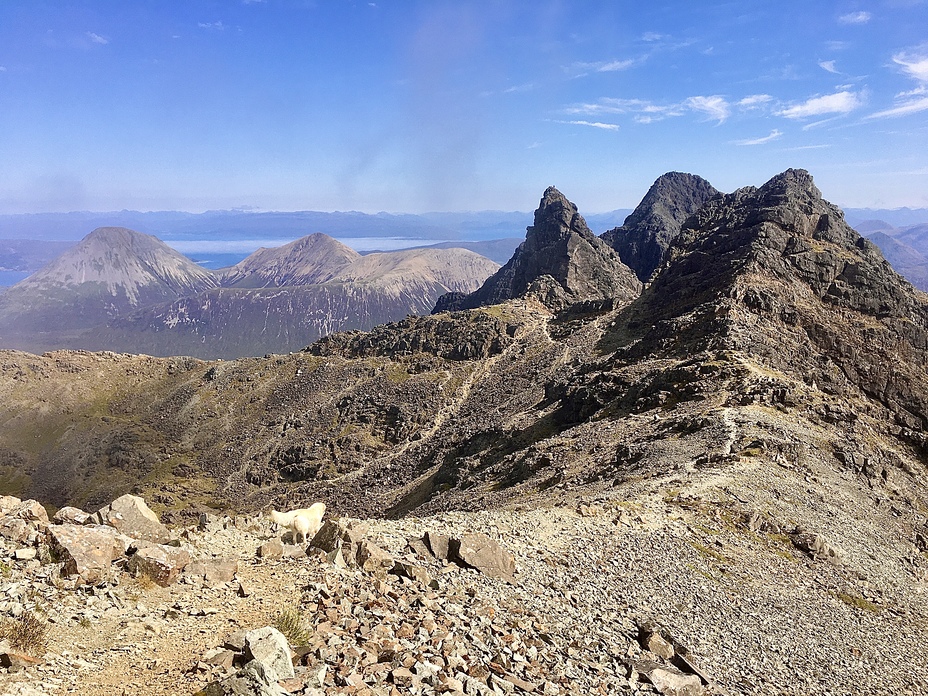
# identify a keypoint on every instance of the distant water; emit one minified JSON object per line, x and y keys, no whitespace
{"x":214,"y":253}
{"x":8,"y":278}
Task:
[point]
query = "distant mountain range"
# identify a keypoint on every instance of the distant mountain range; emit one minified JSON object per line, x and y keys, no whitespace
{"x":123,"y":290}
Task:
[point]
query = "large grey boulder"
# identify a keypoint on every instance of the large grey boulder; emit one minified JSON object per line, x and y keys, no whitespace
{"x":270,"y":647}
{"x":254,"y":679}
{"x":131,"y":516}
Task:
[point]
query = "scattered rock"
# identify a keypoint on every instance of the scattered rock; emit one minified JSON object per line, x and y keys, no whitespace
{"x":86,"y":551}
{"x":161,"y":563}
{"x":130,"y":515}
{"x":70,"y":515}
{"x":269,"y":647}
{"x":481,"y":552}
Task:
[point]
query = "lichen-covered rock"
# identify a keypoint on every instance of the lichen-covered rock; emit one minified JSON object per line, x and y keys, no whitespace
{"x":70,"y":515}
{"x":270,"y":647}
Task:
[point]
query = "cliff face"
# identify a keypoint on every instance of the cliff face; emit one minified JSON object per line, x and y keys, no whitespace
{"x":642,"y":241}
{"x":561,"y":262}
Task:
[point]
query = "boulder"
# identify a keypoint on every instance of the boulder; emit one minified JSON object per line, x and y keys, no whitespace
{"x":438,"y":544}
{"x":15,"y":529}
{"x":8,"y":502}
{"x":815,"y":546}
{"x":131,"y":516}
{"x":71,"y":515}
{"x":161,"y":563}
{"x":213,"y":569}
{"x":251,"y":680}
{"x":270,"y":648}
{"x":31,"y":511}
{"x":481,"y":552}
{"x":372,"y":558}
{"x":271,"y":549}
{"x":86,"y":551}
{"x":344,"y":534}
{"x":670,"y":681}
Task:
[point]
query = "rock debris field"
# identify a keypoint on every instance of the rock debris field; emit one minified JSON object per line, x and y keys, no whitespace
{"x":671,"y":586}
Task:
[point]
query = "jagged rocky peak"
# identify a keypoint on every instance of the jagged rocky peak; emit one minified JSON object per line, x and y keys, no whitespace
{"x":561,"y":262}
{"x":642,"y":241}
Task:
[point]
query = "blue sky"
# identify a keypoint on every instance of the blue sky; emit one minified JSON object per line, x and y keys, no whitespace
{"x":438,"y":105}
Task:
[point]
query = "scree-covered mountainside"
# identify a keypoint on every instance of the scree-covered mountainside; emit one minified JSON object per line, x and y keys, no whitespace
{"x":734,"y":453}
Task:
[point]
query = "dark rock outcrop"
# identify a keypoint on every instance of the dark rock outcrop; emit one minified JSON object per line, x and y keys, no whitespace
{"x":560,"y":262}
{"x":655,"y":223}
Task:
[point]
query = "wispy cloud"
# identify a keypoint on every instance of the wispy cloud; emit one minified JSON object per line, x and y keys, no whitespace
{"x":715,"y":108}
{"x":260,"y":2}
{"x":774,"y":134}
{"x":581,"y":69}
{"x":755,"y":101}
{"x":97,"y":39}
{"x":914,"y":64}
{"x":843,"y":102}
{"x":828,"y":65}
{"x":527,"y":87}
{"x":645,"y":111}
{"x":911,"y":106}
{"x":653,"y":36}
{"x":213,"y":26}
{"x":2,"y":68}
{"x":593,"y":124}
{"x":855,"y":18}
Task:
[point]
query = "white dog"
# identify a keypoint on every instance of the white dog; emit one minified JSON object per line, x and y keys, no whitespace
{"x":303,"y":523}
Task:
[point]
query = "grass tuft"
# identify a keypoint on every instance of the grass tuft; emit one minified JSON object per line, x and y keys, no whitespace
{"x":28,"y":633}
{"x":290,"y":623}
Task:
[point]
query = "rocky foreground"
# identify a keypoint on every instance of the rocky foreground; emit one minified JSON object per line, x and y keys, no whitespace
{"x":784,"y":581}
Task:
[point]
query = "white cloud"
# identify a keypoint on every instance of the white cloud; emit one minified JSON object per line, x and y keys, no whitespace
{"x":616,"y":65}
{"x":855,"y":18}
{"x":527,"y":87}
{"x":652,"y":36}
{"x":828,"y":65}
{"x":716,"y":108}
{"x":217,"y":25}
{"x":915,"y":65}
{"x":774,"y":134}
{"x":755,"y":101}
{"x":2,"y":68}
{"x":97,"y":39}
{"x":913,"y":106}
{"x":838,"y":103}
{"x":593,"y":124}
{"x":581,"y":69}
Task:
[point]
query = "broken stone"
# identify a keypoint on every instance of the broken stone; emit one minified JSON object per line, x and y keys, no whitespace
{"x":213,"y":569}
{"x":438,"y":544}
{"x":670,"y":681}
{"x":815,"y":546}
{"x":26,"y":554}
{"x":341,"y":533}
{"x":161,"y":563}
{"x":132,"y":516}
{"x":251,"y":680}
{"x":372,"y":558}
{"x":269,"y":647}
{"x":86,"y":551}
{"x":656,"y":643}
{"x":70,"y":515}
{"x":412,"y":571}
{"x":481,"y":552}
{"x":271,"y":549}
